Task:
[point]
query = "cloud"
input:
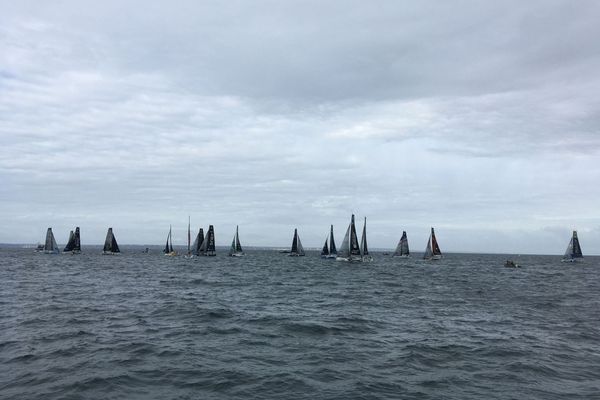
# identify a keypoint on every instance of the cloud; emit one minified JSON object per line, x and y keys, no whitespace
{"x":479,"y":119}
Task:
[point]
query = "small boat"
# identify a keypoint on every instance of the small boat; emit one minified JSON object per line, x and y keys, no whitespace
{"x":573,"y":253}
{"x":432,"y":252}
{"x":329,"y":250}
{"x":363,"y":244}
{"x":198,"y":242}
{"x":50,"y":246}
{"x":74,"y":244}
{"x":402,"y":248}
{"x":350,"y":250}
{"x":511,"y":264}
{"x":110,"y":244}
{"x":168,"y":250}
{"x":39,"y":248}
{"x":297,"y":249}
{"x":236,"y":247}
{"x":208,"y":244}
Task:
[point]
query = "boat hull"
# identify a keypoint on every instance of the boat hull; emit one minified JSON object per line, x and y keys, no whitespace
{"x":433,"y":258}
{"x":572,"y":260}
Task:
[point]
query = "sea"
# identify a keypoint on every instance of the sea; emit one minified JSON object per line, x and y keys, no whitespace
{"x":268,"y":326}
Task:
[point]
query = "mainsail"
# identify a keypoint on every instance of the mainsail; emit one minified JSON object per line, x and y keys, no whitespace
{"x":573,"y":249}
{"x":349,"y":251}
{"x":332,"y":249}
{"x":70,"y":243}
{"x":198,"y":242}
{"x":432,"y":252}
{"x":77,"y":247}
{"x":402,"y":248}
{"x":50,"y":246}
{"x":363,"y":243}
{"x":297,"y":249}
{"x":208,"y":244}
{"x":169,"y":245}
{"x":236,"y":246}
{"x":325,"y":250}
{"x":110,"y":244}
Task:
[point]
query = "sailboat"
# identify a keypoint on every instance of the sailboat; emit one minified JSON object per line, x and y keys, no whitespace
{"x":402,"y":248}
{"x":74,"y":244}
{"x":189,"y":238}
{"x":198,"y":242}
{"x":432,"y":252}
{"x":329,"y":249}
{"x":236,"y":247}
{"x":50,"y":246}
{"x":363,"y":244}
{"x":208,"y":244}
{"x":573,"y":253}
{"x":168,"y":250}
{"x":297,"y":249}
{"x":350,"y":251}
{"x":110,"y":244}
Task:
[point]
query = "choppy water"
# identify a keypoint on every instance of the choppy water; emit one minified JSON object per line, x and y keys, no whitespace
{"x":145,"y":326}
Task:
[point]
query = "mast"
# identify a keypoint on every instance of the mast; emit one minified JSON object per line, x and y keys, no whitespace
{"x":189,"y":236}
{"x":171,"y":240}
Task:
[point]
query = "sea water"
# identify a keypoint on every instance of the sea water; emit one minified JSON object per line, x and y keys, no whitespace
{"x":269,"y":326}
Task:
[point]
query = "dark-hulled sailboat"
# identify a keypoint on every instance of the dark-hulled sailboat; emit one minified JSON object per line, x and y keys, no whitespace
{"x":168,"y":250}
{"x":74,"y":244}
{"x":363,"y":244}
{"x":402,"y":248}
{"x":329,"y":250}
{"x":50,"y":245}
{"x":432,"y":252}
{"x":350,"y":250}
{"x":236,"y":247}
{"x":297,"y":249}
{"x":573,"y":253}
{"x":198,"y":242}
{"x":208,"y":244}
{"x":110,"y":244}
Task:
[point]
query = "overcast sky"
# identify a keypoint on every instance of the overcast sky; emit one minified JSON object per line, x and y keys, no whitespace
{"x":479,"y":118}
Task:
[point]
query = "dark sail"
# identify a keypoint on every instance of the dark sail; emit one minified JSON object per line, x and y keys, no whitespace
{"x":325,"y":250}
{"x":332,"y":248}
{"x":77,"y":247}
{"x":574,"y":249}
{"x":198,"y":242}
{"x":110,"y":244}
{"x":354,"y":247}
{"x":236,"y":246}
{"x":295,"y":242}
{"x":166,"y":249}
{"x":434,"y":244}
{"x":208,"y":244}
{"x":365,"y":250}
{"x":71,"y":243}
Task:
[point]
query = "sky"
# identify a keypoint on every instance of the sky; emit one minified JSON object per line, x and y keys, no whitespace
{"x":481,"y":119}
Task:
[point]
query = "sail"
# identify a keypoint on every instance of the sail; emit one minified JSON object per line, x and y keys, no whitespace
{"x":189,"y":237}
{"x":71,"y":243}
{"x":433,"y":249}
{"x":350,"y":249}
{"x":332,"y":249}
{"x":344,"y":251}
{"x":170,"y":240}
{"x":110,"y":244}
{"x":236,"y":246}
{"x":574,"y":248}
{"x":50,"y":245}
{"x":363,"y":240}
{"x":208,"y":244}
{"x":300,"y":249}
{"x":325,"y":250}
{"x":402,"y":248}
{"x":77,"y":247}
{"x":354,"y":248}
{"x":198,"y":242}
{"x":295,"y":242}
{"x":166,"y":249}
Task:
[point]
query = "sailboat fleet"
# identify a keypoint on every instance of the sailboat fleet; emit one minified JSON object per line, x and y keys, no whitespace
{"x":351,"y":250}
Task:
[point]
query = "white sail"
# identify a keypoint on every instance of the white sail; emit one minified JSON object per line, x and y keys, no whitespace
{"x":350,"y":250}
{"x":50,"y":246}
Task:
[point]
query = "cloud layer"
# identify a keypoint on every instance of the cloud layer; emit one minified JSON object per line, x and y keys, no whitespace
{"x":482,"y":120}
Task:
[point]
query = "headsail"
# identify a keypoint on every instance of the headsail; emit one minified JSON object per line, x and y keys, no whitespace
{"x":363,"y":241}
{"x":71,"y":243}
{"x":198,"y":242}
{"x":402,"y":248}
{"x":325,"y":250}
{"x":50,"y":245}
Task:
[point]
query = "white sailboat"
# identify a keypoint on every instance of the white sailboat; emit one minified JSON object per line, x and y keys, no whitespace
{"x":350,"y":250}
{"x":573,"y":253}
